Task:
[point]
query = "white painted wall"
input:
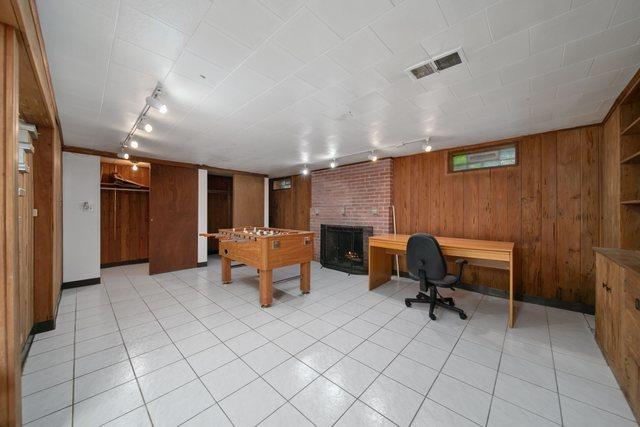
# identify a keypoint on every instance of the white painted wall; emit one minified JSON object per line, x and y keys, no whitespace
{"x":266,"y":202}
{"x":81,"y":224}
{"x":202,"y":214}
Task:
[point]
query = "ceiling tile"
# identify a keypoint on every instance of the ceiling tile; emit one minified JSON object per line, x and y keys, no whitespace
{"x":323,"y":72}
{"x":402,"y":90}
{"x":446,"y":78}
{"x":614,"y":38}
{"x":285,"y":9}
{"x":139,"y":59}
{"x":511,"y":16}
{"x":506,"y":51}
{"x":348,"y":16}
{"x":273,"y":61}
{"x":194,"y":67}
{"x":393,"y":68}
{"x":410,"y":21}
{"x":360,"y":51}
{"x":626,"y":74}
{"x":334,"y":95}
{"x":589,"y":84}
{"x":620,"y":58}
{"x":306,"y":37}
{"x":148,"y":33}
{"x":457,"y":10}
{"x":183,"y":15}
{"x":577,"y":23}
{"x":434,"y":98}
{"x":468,"y":88}
{"x":562,"y":75}
{"x":108,"y":8}
{"x":247,"y":21}
{"x":626,"y":10}
{"x":532,"y":66}
{"x":503,"y":93}
{"x":215,"y":47}
{"x":241,"y":87}
{"x":365,"y":82}
{"x":470,"y":34}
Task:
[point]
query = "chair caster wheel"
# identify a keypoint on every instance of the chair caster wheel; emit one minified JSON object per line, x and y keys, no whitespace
{"x":432,"y":316}
{"x":463,"y":316}
{"x":407,"y":303}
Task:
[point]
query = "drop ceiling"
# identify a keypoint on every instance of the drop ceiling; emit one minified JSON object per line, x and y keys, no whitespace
{"x":269,"y":85}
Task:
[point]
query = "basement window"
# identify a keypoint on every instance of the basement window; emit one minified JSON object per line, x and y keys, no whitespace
{"x":281,"y":184}
{"x":491,"y":157}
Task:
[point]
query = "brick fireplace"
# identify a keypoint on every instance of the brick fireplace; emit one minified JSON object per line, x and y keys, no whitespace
{"x":356,"y":195}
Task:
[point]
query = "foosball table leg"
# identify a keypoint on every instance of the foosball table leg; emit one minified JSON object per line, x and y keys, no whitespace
{"x":226,"y":269}
{"x":266,"y":287}
{"x":305,"y":277}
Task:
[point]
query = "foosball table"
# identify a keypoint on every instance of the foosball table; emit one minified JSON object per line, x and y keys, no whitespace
{"x":265,"y":249}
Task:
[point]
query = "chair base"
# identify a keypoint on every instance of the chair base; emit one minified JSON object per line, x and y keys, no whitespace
{"x":436,"y":300}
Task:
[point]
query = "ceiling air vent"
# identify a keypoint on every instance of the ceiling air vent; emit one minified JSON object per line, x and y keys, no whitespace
{"x":447,"y":61}
{"x":422,"y":70}
{"x":435,"y":65}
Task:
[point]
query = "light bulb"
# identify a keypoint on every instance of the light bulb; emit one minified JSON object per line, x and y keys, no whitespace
{"x":134,"y":167}
{"x":163,"y":109}
{"x":305,"y":170}
{"x":427,"y":147}
{"x":133,"y":143}
{"x":147,"y":127}
{"x":125,"y":155}
{"x":333,"y":164}
{"x":373,"y":156}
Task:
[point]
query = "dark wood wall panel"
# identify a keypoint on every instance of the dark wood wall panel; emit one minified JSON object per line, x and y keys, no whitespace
{"x":124,"y":216}
{"x":290,"y":208}
{"x":173,"y":216}
{"x":548,"y":204}
{"x":219,"y":206}
{"x":248,"y":200}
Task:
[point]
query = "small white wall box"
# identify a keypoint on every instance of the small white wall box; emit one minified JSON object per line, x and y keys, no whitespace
{"x":26,"y":133}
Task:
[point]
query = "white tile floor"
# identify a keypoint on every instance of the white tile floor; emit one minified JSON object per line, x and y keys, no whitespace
{"x":181,"y":348}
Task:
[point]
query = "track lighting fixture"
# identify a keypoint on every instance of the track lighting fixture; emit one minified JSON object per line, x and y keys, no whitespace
{"x":146,"y":126}
{"x":373,"y":156}
{"x":333,"y":164}
{"x":155,"y":103}
{"x":426,"y":146}
{"x":305,"y":170}
{"x":133,"y":143}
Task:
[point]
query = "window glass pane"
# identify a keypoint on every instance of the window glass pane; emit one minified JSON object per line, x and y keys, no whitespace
{"x":499,"y":156}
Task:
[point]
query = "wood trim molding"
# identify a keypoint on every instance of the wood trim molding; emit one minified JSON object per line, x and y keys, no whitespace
{"x":109,"y":154}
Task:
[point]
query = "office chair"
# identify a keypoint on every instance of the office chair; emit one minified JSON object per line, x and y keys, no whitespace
{"x":427,"y":264}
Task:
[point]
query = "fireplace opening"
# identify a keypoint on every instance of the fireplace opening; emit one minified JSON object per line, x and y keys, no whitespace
{"x":345,"y":247}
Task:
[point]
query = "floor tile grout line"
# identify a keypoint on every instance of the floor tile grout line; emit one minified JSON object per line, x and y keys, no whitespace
{"x":495,"y":381}
{"x":555,"y":372}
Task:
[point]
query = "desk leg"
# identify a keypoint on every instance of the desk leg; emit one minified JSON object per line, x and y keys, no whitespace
{"x":226,"y":269}
{"x":305,"y":277}
{"x":379,"y":267}
{"x":266,"y":287}
{"x":511,"y":307}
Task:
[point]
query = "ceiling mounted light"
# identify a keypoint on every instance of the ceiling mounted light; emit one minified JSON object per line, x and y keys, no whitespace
{"x":123,"y":154}
{"x":305,"y":170}
{"x":155,"y":103}
{"x":333,"y":164}
{"x":373,"y":156}
{"x":133,"y":143}
{"x":134,"y":166}
{"x":426,"y":147}
{"x":147,"y":127}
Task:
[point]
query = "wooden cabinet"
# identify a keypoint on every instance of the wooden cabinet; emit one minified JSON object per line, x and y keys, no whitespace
{"x":618,"y":317}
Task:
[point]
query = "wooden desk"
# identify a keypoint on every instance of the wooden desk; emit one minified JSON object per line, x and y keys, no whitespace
{"x":483,"y":253}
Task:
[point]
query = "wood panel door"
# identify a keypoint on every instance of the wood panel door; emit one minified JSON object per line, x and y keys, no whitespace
{"x":173,"y":218}
{"x":248,"y":200}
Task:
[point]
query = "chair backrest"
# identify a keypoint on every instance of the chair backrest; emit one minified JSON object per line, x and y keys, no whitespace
{"x":424,"y":253}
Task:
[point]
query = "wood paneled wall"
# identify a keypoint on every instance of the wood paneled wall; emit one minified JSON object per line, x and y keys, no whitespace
{"x":548,"y":205}
{"x":610,"y":188}
{"x":219,"y":206}
{"x":291,"y":208}
{"x":124,"y":216}
{"x":248,"y":200}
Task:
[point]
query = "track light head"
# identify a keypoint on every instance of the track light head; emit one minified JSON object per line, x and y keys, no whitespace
{"x":333,"y":164}
{"x":123,"y":154}
{"x":305,"y":170}
{"x":426,"y":147}
{"x":133,"y":143}
{"x":134,"y":166}
{"x":147,"y":127}
{"x":156,"y":104}
{"x":373,"y":156}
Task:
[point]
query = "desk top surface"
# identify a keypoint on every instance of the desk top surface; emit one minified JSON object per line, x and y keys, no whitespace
{"x":401,"y":239}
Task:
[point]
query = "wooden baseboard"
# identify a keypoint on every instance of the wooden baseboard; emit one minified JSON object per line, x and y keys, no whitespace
{"x":202,"y":264}
{"x":79,"y":283}
{"x":486,"y":290}
{"x":128,"y":262}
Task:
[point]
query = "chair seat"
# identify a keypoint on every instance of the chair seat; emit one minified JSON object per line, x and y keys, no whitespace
{"x":447,"y":280}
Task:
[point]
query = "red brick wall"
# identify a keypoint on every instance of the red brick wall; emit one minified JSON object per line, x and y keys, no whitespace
{"x":348,"y":195}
